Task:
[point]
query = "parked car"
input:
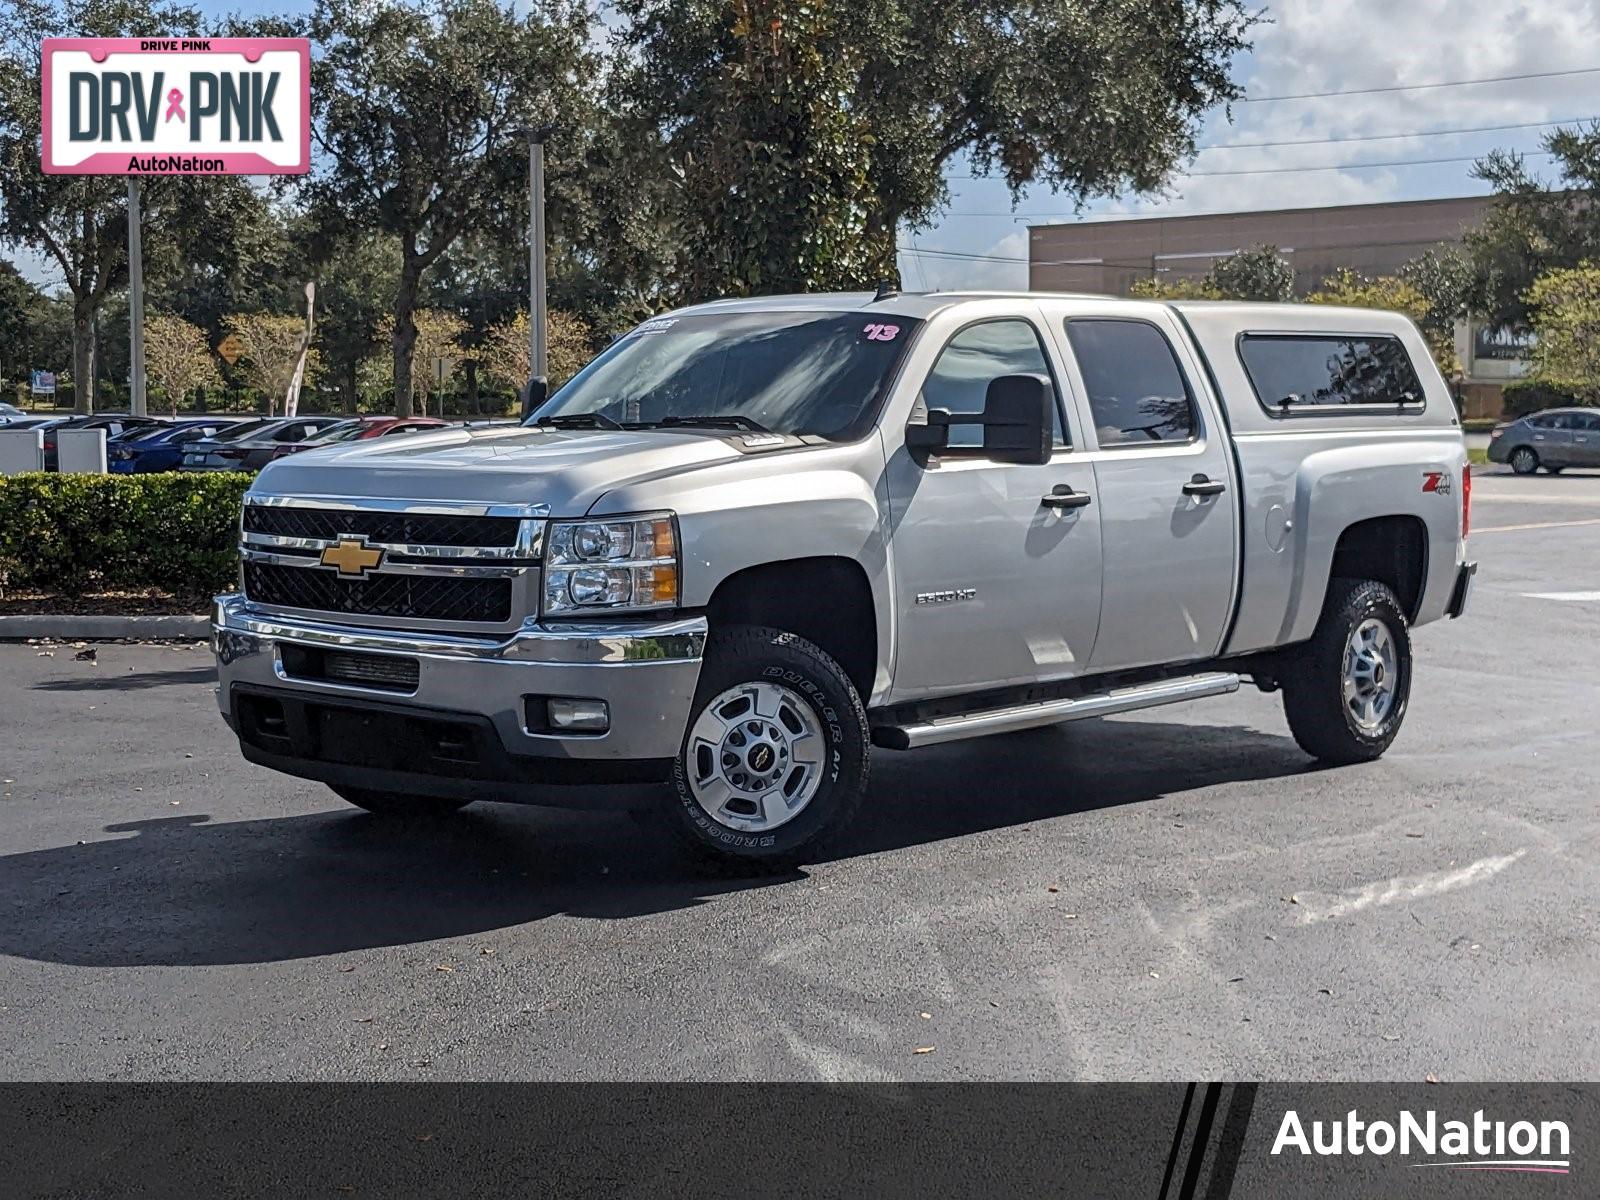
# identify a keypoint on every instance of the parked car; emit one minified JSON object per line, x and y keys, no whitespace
{"x":359,"y":429}
{"x":115,"y":424}
{"x":10,"y":412}
{"x":753,"y":540}
{"x":251,"y":448}
{"x":1554,"y":439}
{"x":142,"y":451}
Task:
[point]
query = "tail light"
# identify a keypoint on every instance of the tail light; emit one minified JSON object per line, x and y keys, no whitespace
{"x":232,"y":453}
{"x":1466,"y":500}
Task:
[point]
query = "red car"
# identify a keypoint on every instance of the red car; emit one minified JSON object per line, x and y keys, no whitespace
{"x":359,"y":429}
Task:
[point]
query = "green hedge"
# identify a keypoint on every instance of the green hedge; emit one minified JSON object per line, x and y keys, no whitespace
{"x":175,"y":532}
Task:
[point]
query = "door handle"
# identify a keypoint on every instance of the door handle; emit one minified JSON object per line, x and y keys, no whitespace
{"x":1201,"y":486}
{"x":1062,"y":496}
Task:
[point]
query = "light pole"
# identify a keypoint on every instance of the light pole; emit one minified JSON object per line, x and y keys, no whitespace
{"x":538,"y":383}
{"x":136,"y":387}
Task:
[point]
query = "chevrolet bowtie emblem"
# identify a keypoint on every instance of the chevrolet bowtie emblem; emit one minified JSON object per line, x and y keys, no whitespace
{"x":352,"y":556}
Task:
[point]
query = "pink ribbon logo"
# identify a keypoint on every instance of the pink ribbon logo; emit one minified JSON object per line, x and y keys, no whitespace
{"x":175,"y":105}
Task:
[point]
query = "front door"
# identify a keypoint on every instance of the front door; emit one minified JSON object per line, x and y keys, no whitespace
{"x":1164,"y":484}
{"x":996,"y":565}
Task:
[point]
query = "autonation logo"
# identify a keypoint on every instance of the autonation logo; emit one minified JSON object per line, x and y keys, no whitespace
{"x":1476,"y":1145}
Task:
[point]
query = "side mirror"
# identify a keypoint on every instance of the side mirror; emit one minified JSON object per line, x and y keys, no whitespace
{"x":534,"y":396}
{"x":1017,"y":419}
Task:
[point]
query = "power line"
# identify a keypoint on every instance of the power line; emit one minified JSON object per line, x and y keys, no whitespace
{"x":1388,"y":137}
{"x":1402,"y":162}
{"x":1420,"y":87}
{"x":1143,"y":263}
{"x":1412,"y":162}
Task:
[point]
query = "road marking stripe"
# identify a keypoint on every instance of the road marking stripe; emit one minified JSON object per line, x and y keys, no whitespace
{"x":1578,"y":596}
{"x":1403,"y":888}
{"x":1486,"y":496}
{"x":1537,"y":525}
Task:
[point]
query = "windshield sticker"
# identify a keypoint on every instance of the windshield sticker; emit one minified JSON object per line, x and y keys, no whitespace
{"x":881,"y":333}
{"x":658,"y":326}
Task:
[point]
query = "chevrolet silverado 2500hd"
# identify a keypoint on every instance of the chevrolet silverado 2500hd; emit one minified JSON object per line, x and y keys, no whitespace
{"x":754,"y":539}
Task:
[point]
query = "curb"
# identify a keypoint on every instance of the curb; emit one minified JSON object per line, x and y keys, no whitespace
{"x":66,"y":628}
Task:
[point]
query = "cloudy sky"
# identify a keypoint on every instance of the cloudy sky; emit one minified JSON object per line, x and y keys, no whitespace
{"x":1310,"y":46}
{"x":1319,"y":46}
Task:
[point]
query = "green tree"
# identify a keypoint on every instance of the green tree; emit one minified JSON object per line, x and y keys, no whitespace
{"x":1443,"y":276}
{"x":417,"y":110}
{"x":831,"y":125}
{"x":24,"y":319}
{"x":177,"y":356}
{"x":1261,"y":273}
{"x":357,"y":284}
{"x":1564,"y":306}
{"x":271,"y":349}
{"x":1535,"y":225}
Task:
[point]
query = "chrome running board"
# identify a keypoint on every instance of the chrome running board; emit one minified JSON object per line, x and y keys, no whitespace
{"x":1052,"y":712}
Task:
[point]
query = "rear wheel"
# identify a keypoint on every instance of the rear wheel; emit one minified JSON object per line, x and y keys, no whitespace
{"x":774,"y":764}
{"x":1524,"y":460}
{"x":400,"y":804}
{"x":1345,"y":690}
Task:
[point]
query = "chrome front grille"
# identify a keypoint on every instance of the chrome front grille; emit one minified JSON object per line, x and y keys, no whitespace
{"x":381,"y":594}
{"x":444,"y":567}
{"x":391,"y":528}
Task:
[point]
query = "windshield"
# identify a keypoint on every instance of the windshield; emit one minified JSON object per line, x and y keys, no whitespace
{"x":234,"y":432}
{"x":787,"y":372}
{"x":342,"y":432}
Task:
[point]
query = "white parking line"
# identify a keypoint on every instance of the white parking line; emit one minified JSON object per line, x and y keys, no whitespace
{"x":1408,"y":887}
{"x":1575,"y":597}
{"x":1535,"y":525}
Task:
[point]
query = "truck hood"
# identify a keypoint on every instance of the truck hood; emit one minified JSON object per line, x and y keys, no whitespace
{"x":566,"y":470}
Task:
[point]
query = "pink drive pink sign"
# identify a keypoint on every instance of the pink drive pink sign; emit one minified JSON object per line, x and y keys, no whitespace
{"x":177,"y":106}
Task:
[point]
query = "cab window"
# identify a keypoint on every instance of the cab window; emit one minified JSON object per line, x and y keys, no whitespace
{"x":975,"y":357}
{"x":1137,"y":391}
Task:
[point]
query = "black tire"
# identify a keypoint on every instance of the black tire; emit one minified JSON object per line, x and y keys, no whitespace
{"x":752,"y":654}
{"x":1524,"y":460}
{"x":400,"y":804}
{"x":1314,"y":676}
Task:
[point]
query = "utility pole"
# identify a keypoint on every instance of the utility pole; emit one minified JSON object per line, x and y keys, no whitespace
{"x":538,"y":369}
{"x":136,"y":399}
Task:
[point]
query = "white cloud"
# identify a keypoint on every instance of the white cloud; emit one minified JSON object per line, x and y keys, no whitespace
{"x":1342,"y":45}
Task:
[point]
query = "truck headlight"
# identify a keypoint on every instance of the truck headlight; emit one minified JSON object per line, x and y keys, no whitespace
{"x":626,"y":565}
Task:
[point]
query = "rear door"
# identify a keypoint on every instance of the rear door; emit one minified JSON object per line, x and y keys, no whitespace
{"x":1164,"y":484}
{"x":1585,"y":448}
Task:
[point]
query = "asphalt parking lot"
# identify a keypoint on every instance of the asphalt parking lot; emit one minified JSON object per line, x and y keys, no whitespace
{"x":1162,"y":896}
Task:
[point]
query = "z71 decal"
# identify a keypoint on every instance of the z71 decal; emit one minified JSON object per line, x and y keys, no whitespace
{"x":1436,"y":481}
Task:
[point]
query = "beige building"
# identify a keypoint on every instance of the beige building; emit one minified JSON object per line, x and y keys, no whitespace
{"x":1372,"y":239}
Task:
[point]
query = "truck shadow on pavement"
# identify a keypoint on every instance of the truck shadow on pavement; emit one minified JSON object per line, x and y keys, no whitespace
{"x":131,"y":681}
{"x":185,"y":891}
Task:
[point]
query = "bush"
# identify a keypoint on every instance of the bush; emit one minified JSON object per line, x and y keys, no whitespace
{"x":175,"y":532}
{"x":1532,"y":396}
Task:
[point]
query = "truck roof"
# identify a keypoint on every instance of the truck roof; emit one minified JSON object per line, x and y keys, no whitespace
{"x":1240,"y":314}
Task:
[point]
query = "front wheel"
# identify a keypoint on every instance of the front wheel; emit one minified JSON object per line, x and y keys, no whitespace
{"x":1345,"y":691}
{"x":775,"y":760}
{"x":399,"y":804}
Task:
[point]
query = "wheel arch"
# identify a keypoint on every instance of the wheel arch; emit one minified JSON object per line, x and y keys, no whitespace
{"x":825,"y":599}
{"x":1391,"y":549}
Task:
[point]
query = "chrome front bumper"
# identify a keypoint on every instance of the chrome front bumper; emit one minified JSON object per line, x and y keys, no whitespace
{"x":645,"y":672}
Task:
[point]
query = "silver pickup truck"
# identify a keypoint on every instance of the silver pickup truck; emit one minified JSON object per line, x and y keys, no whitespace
{"x":754,"y":539}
